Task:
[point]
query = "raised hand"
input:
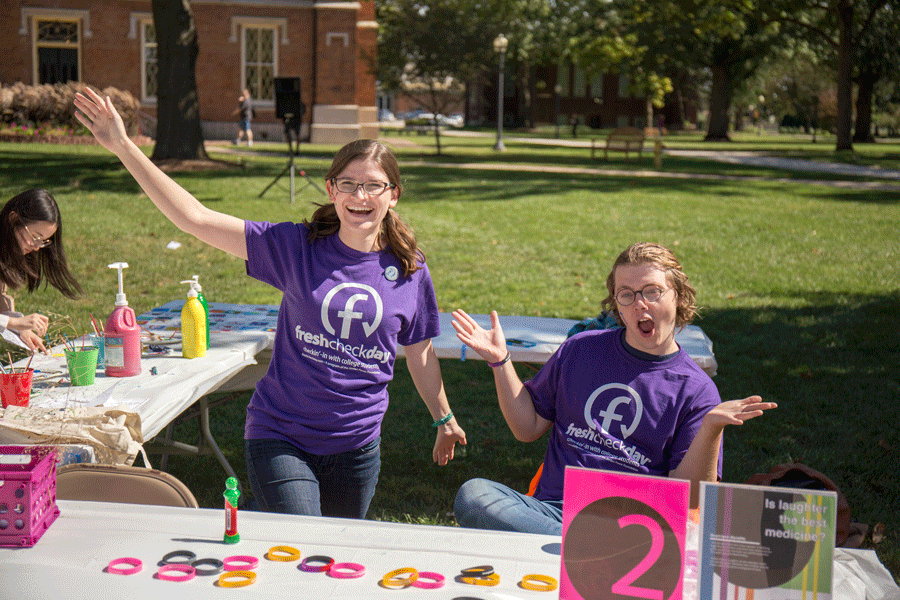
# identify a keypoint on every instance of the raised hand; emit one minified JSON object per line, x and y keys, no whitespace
{"x":489,"y":344}
{"x":737,"y":412}
{"x":100,"y":117}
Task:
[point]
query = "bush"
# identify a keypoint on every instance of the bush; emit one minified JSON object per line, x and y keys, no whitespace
{"x":53,"y":105}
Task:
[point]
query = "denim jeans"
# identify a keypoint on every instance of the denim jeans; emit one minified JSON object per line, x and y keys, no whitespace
{"x":285,"y":479}
{"x":484,"y":504}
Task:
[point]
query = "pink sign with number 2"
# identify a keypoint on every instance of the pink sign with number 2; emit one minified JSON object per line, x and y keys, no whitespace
{"x":623,"y":536}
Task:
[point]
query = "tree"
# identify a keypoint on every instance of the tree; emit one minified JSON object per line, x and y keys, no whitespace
{"x":842,"y":24}
{"x":795,"y":84}
{"x":178,"y":132}
{"x":727,"y":38}
{"x":427,"y":48}
{"x":878,"y":59}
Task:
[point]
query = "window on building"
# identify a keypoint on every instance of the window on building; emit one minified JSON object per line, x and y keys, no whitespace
{"x":562,"y":80}
{"x":56,"y":43}
{"x":149,"y":66}
{"x":579,"y":83}
{"x":259,"y":59}
{"x":596,"y":90}
{"x":624,"y":86}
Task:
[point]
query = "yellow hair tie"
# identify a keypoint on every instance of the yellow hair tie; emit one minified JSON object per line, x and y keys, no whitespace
{"x":283,"y":553}
{"x":544,"y":583}
{"x":246,"y":578}
{"x":488,"y":580}
{"x":392,"y":581}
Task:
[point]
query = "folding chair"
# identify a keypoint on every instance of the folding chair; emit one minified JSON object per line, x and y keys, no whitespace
{"x":121,"y":483}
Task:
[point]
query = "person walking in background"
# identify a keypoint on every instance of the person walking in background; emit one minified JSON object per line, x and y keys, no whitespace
{"x":31,"y":253}
{"x":245,"y":113}
{"x":641,"y":402}
{"x":354,"y":285}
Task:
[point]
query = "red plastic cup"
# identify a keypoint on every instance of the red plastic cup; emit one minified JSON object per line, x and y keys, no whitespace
{"x":15,"y":388}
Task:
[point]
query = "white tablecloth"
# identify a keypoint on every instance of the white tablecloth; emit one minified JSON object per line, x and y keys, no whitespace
{"x":157,"y":398}
{"x":68,"y":562}
{"x":538,"y":337}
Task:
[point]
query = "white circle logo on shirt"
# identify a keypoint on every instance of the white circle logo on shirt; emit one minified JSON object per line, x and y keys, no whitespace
{"x":349,"y":313}
{"x":391,"y":273}
{"x":609,"y":415}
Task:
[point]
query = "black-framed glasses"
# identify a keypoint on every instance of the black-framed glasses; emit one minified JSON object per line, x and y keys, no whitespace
{"x":650,"y":293}
{"x":36,"y":240}
{"x":372,"y":188}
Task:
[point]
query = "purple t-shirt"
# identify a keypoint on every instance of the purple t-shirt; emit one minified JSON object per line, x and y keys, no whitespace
{"x":342,"y":314}
{"x":610,"y":410}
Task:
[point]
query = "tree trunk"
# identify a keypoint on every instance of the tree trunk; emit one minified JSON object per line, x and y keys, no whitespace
{"x":719,"y":104}
{"x":844,"y":81}
{"x":865,"y":91}
{"x":178,"y":132}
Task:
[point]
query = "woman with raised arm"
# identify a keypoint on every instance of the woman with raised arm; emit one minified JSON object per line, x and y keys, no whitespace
{"x":355,"y":285}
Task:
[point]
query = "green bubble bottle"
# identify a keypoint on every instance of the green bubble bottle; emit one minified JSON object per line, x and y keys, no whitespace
{"x":231,"y":495}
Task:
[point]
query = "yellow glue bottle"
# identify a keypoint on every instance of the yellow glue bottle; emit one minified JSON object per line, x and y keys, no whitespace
{"x":193,"y":325}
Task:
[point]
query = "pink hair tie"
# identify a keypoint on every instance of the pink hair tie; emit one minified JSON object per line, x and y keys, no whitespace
{"x":437,"y":580}
{"x":187,"y":572}
{"x":347,"y":570}
{"x":115,"y":569}
{"x":240,"y":563}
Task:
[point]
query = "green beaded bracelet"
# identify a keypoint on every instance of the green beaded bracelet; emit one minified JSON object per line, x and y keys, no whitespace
{"x":442,"y":420}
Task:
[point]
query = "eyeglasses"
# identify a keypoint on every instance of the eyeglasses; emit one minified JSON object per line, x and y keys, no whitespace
{"x":372,"y":188}
{"x":650,"y":293}
{"x":36,"y":240}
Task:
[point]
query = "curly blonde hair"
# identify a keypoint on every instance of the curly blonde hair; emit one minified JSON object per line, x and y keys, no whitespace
{"x":664,"y":260}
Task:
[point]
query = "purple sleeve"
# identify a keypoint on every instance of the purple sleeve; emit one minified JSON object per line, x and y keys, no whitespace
{"x":703,"y":400}
{"x":544,"y":386}
{"x":425,"y":323}
{"x":269,"y":246}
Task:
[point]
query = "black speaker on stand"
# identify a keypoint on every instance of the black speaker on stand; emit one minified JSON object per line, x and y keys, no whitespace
{"x":290,"y":109}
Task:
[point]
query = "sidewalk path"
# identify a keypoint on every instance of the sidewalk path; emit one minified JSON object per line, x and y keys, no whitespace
{"x":878,"y":182}
{"x":757,"y":159}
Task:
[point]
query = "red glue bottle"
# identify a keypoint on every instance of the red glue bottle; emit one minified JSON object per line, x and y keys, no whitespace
{"x":122,"y":335}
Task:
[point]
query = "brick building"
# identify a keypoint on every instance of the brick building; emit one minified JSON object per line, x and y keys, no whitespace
{"x":327,"y":44}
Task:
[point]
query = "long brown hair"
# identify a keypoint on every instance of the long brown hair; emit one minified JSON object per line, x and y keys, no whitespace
{"x":395,"y":235}
{"x":16,"y":269}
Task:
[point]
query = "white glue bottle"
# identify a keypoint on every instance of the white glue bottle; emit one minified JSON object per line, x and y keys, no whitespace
{"x":193,"y":325}
{"x":122,"y":335}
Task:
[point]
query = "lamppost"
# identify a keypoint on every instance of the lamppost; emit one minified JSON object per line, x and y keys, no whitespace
{"x":500,"y":45}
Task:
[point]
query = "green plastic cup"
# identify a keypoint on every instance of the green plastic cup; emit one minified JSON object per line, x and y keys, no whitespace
{"x":82,"y":365}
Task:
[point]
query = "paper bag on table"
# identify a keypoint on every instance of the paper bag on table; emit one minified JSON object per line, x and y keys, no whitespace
{"x":114,"y":433}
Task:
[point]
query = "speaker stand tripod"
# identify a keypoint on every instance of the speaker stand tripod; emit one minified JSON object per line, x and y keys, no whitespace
{"x":289,"y":167}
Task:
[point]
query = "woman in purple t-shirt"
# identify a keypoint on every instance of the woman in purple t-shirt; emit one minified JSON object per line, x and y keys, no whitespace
{"x":354,"y":286}
{"x":624,"y":400}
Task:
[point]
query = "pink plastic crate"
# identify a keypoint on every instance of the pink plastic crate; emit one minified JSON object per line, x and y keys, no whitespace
{"x":27,"y":494}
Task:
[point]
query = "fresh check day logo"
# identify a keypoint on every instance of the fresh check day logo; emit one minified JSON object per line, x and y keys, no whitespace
{"x":607,"y":430}
{"x":347,"y":309}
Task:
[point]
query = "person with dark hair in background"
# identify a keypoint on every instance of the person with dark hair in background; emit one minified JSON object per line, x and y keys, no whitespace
{"x":31,"y":253}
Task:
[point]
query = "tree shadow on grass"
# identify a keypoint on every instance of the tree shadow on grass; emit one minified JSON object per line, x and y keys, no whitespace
{"x":832,"y":368}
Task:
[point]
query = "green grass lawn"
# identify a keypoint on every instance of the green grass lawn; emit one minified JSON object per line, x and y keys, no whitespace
{"x":799,"y":283}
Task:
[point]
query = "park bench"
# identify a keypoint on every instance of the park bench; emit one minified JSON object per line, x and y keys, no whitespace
{"x":622,"y":139}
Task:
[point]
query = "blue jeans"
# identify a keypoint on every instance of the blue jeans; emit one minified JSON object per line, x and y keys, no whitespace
{"x":484,"y":504}
{"x":285,"y":479}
